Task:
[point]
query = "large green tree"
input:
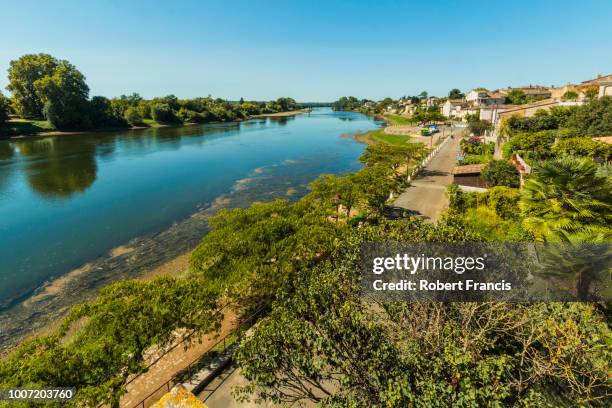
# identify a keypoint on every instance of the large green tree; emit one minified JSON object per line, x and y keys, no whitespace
{"x":22,"y":75}
{"x":65,"y":95}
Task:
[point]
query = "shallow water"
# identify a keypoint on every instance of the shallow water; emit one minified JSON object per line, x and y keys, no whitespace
{"x":68,"y":200}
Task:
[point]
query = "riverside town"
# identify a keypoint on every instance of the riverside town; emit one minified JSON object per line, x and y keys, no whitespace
{"x":341,"y":204}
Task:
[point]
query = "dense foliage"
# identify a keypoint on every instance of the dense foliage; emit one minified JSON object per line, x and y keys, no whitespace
{"x":324,"y":342}
{"x":4,"y":108}
{"x":479,"y":127}
{"x":101,"y":343}
{"x":501,"y":173}
{"x":44,"y":87}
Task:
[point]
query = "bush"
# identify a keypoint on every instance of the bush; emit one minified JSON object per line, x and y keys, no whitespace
{"x":102,"y":114}
{"x":538,"y":143}
{"x":162,"y":113}
{"x":501,"y":173}
{"x":594,"y":118}
{"x":67,"y":116}
{"x":479,"y":127}
{"x":132,"y":116}
{"x":3,"y":109}
{"x":583,"y":146}
{"x":474,"y":159}
{"x":504,"y":201}
{"x":473,"y":145}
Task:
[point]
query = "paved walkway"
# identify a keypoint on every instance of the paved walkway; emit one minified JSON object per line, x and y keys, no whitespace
{"x":171,"y":363}
{"x":426,"y":196}
{"x":218,"y":394}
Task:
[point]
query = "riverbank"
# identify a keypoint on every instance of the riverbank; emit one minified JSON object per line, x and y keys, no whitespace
{"x":19,"y":129}
{"x":284,"y":174}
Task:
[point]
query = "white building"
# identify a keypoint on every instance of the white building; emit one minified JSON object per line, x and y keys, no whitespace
{"x":482,"y":97}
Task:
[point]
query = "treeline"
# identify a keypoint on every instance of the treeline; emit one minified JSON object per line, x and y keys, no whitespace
{"x":44,"y":87}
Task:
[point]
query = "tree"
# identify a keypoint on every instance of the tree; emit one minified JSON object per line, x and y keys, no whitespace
{"x":162,"y":113}
{"x":4,"y":105}
{"x":423,"y":95}
{"x":64,"y":94}
{"x":516,"y":97}
{"x":456,"y":94}
{"x":594,"y":118}
{"x":565,"y":197}
{"x":501,"y":173}
{"x":570,"y":96}
{"x":479,"y":127}
{"x":100,"y":344}
{"x":325,"y":342}
{"x":102,"y":114}
{"x":23,"y":74}
{"x":132,"y":116}
{"x":286,"y":104}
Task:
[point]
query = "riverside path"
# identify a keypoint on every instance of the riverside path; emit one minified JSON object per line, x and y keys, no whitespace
{"x":426,"y":195}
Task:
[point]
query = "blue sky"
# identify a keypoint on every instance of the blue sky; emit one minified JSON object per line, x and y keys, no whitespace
{"x":312,"y":50}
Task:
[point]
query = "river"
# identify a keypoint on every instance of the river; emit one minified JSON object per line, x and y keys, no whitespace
{"x":86,"y":210}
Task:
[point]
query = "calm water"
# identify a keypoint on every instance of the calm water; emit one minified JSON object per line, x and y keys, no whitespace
{"x":67,"y":200}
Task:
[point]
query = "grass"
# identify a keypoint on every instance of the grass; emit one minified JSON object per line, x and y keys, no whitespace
{"x":149,"y":122}
{"x":16,"y":127}
{"x":398,"y":120}
{"x":379,"y":135}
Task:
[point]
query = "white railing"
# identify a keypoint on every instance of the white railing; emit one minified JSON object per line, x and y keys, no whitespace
{"x":426,"y":160}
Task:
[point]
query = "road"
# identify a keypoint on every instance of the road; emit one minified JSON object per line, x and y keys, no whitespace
{"x":426,"y":196}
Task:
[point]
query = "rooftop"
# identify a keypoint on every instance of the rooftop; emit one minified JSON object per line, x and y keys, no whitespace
{"x":599,"y":78}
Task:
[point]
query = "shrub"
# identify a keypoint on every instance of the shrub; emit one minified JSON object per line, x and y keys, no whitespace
{"x":504,"y":201}
{"x":3,"y":108}
{"x":501,"y":173}
{"x":594,"y":118}
{"x":570,"y":96}
{"x":583,"y":146}
{"x":162,"y":113}
{"x":102,"y":113}
{"x":479,"y":127}
{"x":473,"y":145}
{"x":132,"y":116}
{"x":538,"y":143}
{"x":474,"y":159}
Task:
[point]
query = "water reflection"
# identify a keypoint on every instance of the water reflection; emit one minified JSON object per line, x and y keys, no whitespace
{"x":6,"y":152}
{"x":58,"y":168}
